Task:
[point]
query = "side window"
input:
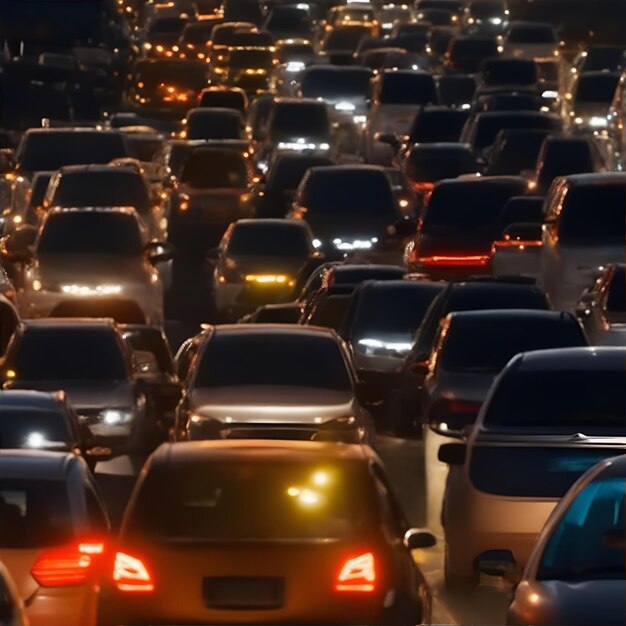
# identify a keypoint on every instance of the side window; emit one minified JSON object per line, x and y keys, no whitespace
{"x":98,"y":519}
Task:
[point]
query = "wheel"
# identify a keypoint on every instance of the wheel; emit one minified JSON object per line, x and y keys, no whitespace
{"x":456,"y":581}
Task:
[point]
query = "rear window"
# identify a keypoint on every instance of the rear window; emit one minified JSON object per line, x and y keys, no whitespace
{"x":472,"y":206}
{"x":487,"y":345}
{"x":510,"y":73}
{"x":66,"y":354}
{"x":593,"y":214}
{"x":273,"y":360}
{"x":332,"y":83}
{"x":532,"y":472}
{"x":399,"y":88}
{"x":211,"y":125}
{"x":33,"y":428}
{"x":265,"y":500}
{"x":433,"y":165}
{"x":34,"y":513}
{"x":536,"y":399}
{"x":300,"y":119}
{"x":346,"y":38}
{"x":213,"y":169}
{"x":599,"y":89}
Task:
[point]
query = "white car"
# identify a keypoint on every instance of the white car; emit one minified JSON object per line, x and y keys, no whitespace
{"x":96,"y":257}
{"x":530,"y":40}
{"x":550,"y":416}
{"x":54,"y":529}
{"x":584,"y":231}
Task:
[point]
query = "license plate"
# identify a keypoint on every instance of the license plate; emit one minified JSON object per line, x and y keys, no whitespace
{"x":243,"y":592}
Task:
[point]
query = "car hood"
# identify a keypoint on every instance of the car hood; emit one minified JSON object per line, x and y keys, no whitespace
{"x":91,"y":268}
{"x":598,"y":602}
{"x":86,"y":394}
{"x":272,"y":404}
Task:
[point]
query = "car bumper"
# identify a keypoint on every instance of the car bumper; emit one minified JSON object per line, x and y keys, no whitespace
{"x":71,"y":606}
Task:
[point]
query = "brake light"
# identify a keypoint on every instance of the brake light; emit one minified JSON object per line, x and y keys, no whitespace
{"x":464,"y":407}
{"x":456,"y":260}
{"x":67,"y":566}
{"x":357,"y":574}
{"x":131,"y":574}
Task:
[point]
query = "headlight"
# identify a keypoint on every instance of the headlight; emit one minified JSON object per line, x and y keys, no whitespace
{"x":550,"y":95}
{"x":87,"y":290}
{"x":360,"y":119}
{"x":598,"y":121}
{"x":355,"y":244}
{"x":345,"y":107}
{"x":376,"y":347}
{"x":294,"y":66}
{"x":270,"y":279}
{"x":114,"y":417}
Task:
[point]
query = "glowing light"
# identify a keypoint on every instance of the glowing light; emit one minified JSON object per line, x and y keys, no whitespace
{"x":308,"y":497}
{"x":10,"y":374}
{"x":294,"y":492}
{"x":85,"y":290}
{"x":37,"y":286}
{"x":320,"y":478}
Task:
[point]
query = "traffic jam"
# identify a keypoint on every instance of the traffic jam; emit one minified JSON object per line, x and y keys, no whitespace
{"x":312,"y":312}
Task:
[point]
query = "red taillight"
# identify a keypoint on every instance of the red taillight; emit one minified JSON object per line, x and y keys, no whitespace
{"x":131,"y":574}
{"x":464,"y":407}
{"x":480,"y":260}
{"x":357,"y":574}
{"x":67,"y":566}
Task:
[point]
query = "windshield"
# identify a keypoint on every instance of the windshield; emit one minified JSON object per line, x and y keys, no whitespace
{"x":531,"y":33}
{"x":544,"y":399}
{"x":335,"y":192}
{"x":332,"y":83}
{"x":215,"y":169}
{"x":301,"y":119}
{"x":487,"y":344}
{"x":592,"y":214}
{"x":392,"y":309}
{"x":30,"y":427}
{"x":114,"y":188}
{"x":408,"y":88}
{"x":266,"y":500}
{"x":205,"y":124}
{"x":88,"y":232}
{"x":273,"y":240}
{"x":466,"y":207}
{"x":47,"y":151}
{"x":67,"y":354}
{"x":600,"y":89}
{"x":34,"y":513}
{"x":346,"y":38}
{"x":533,"y":471}
{"x":579,"y":547}
{"x":289,"y":359}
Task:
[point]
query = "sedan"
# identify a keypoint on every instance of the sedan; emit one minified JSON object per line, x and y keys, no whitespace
{"x":265,"y":532}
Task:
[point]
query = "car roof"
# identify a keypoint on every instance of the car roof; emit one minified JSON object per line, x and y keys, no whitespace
{"x":122,"y":210}
{"x":510,"y":315}
{"x":274,"y":329}
{"x":574,"y":359}
{"x":69,"y":322}
{"x":264,"y":449}
{"x":272,"y":221}
{"x":30,"y":398}
{"x":603,"y":178}
{"x":98,"y":168}
{"x":36,"y":464}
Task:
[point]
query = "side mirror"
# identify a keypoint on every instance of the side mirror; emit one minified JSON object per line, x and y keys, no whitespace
{"x":415,"y":538}
{"x":159,"y":252}
{"x":452,"y":453}
{"x":390,"y":139}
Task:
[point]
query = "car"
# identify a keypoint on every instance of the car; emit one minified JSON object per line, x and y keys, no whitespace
{"x":193,"y":40}
{"x":105,"y":392}
{"x":529,"y":40}
{"x":575,"y":572}
{"x":485,"y":17}
{"x":274,"y":196}
{"x":456,"y":90}
{"x":155,"y":368}
{"x":289,"y":22}
{"x":337,"y":546}
{"x":514,"y":152}
{"x":507,"y":75}
{"x":403,"y":402}
{"x":341,"y":41}
{"x":307,"y":402}
{"x":492,"y":518}
{"x":62,"y":263}
{"x":46,"y":421}
{"x":584,"y":229}
{"x":213,"y":123}
{"x":454,"y":240}
{"x":436,"y":124}
{"x":352,"y":210}
{"x":259,"y":261}
{"x":396,"y":96}
{"x":213,"y":191}
{"x":247,"y":63}
{"x":602,"y":307}
{"x":223,"y":98}
{"x":54,"y":533}
{"x":163,"y":34}
{"x":595,"y":58}
{"x":83,"y":186}
{"x":379,"y":327}
{"x":589,"y":101}
{"x":466,"y":53}
{"x":166,"y":87}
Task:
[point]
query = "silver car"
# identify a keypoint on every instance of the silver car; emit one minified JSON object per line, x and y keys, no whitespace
{"x":272,"y":381}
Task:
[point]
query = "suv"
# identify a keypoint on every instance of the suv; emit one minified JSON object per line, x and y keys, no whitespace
{"x":104,"y":391}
